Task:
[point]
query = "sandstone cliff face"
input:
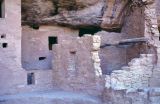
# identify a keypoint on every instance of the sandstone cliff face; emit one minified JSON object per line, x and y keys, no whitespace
{"x":33,"y":10}
{"x":106,"y":14}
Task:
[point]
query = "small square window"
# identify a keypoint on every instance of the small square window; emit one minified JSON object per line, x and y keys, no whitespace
{"x":4,"y":45}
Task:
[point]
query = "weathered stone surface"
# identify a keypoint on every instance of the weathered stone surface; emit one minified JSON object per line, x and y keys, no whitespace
{"x":114,"y":13}
{"x":99,"y":69}
{"x":76,"y":13}
{"x":135,"y":77}
{"x":86,"y":74}
{"x":33,"y":10}
{"x":89,"y":16}
{"x":32,"y":43}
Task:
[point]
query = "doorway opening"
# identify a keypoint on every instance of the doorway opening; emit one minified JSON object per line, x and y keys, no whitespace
{"x":51,"y":41}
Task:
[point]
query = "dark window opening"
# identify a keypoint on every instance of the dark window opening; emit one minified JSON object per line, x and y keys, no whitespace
{"x":52,"y":41}
{"x":3,"y":36}
{"x":1,"y":8}
{"x":92,"y":31}
{"x":4,"y":45}
{"x":73,"y":52}
{"x":30,"y":78}
{"x":42,"y":58}
{"x":34,"y":26}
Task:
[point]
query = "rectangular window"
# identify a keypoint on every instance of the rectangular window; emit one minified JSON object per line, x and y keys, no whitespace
{"x":42,"y":58}
{"x":2,"y":9}
{"x":4,"y":45}
{"x":52,"y":40}
{"x":30,"y":79}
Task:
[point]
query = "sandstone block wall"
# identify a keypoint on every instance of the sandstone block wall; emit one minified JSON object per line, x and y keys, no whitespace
{"x":137,"y":97}
{"x":35,"y":44}
{"x":13,"y":78}
{"x":122,"y":53}
{"x":143,"y":86}
{"x":134,"y":76}
{"x":77,"y":65}
{"x":76,"y":62}
{"x":10,"y":61}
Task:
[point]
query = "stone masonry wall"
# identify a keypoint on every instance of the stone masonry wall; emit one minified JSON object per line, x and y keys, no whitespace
{"x":77,"y":65}
{"x":13,"y":78}
{"x":122,"y":53}
{"x":35,"y":44}
{"x":138,"y":83}
{"x":132,"y":77}
{"x":108,"y":54}
{"x":10,"y":61}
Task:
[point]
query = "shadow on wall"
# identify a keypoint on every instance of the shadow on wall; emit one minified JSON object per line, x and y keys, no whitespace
{"x":115,"y":57}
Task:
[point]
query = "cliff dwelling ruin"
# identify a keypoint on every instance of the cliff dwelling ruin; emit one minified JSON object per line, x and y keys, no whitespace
{"x":79,"y":52}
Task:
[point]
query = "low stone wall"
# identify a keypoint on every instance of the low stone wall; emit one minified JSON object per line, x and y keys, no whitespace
{"x":134,"y":76}
{"x":144,"y":96}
